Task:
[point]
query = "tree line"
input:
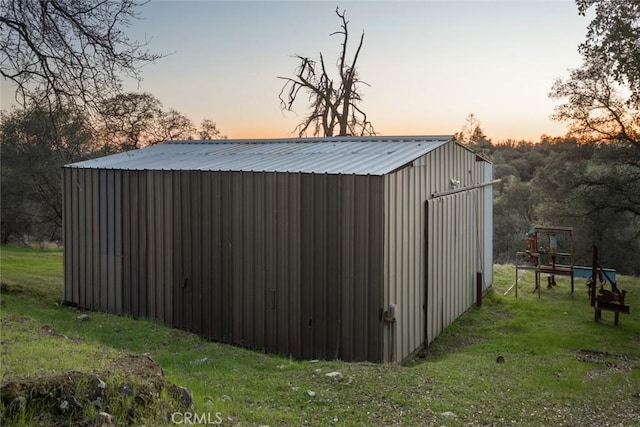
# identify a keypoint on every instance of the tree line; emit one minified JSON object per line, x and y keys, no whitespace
{"x":37,"y":141}
{"x":592,"y":187}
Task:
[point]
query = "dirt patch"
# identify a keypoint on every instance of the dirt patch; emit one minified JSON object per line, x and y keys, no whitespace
{"x":48,"y":331}
{"x":609,"y":368}
{"x":596,"y":356}
{"x":611,"y":363}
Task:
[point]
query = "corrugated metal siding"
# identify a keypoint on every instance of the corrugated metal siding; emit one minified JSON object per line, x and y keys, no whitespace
{"x":453,"y":244}
{"x":291,"y":263}
{"x":93,"y":239}
{"x":487,"y":194}
{"x":452,"y":236}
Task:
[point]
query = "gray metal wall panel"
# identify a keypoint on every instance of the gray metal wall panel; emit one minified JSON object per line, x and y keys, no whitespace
{"x":452,"y":259}
{"x":487,"y":193}
{"x":407,"y":228}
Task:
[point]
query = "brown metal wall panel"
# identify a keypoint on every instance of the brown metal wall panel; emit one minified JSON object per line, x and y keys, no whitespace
{"x":113,"y":236}
{"x":90,"y":250}
{"x":68,"y":233}
{"x":376,"y":267}
{"x":117,"y":234}
{"x":337,"y":262}
{"x":262,"y":295}
{"x":184,"y":200}
{"x":196,"y":222}
{"x":177,"y":279}
{"x":317,"y":251}
{"x":138,"y":256}
{"x":107,"y":304}
{"x":248,"y":263}
{"x":279,"y":195}
{"x":307,"y":241}
{"x":95,"y":239}
{"x":127,"y":249}
{"x":76,"y":256}
{"x":297,"y":326}
{"x":237,"y":249}
{"x":347,"y":273}
{"x":206,"y":303}
{"x":104,"y":241}
{"x":270,"y":254}
{"x":360,"y":262}
{"x":152,"y":218}
{"x":157,"y":244}
{"x":168,"y":256}
{"x":334,"y":255}
{"x":227,"y":281}
{"x":291,"y":263}
{"x":83,"y":214}
{"x":214,"y":304}
{"x":88,"y":217}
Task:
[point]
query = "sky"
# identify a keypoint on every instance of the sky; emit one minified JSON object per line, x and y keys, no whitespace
{"x":429,"y":64}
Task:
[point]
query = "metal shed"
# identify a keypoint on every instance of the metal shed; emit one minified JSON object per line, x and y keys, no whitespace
{"x":294,"y":246}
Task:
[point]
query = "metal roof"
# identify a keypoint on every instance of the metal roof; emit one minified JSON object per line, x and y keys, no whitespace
{"x":375,"y":155}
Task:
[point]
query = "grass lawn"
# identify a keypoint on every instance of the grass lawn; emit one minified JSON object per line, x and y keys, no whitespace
{"x":560,"y":367}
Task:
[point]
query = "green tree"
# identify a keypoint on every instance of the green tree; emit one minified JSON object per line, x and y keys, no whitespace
{"x":603,"y":95}
{"x":514,"y":214}
{"x":598,"y":199}
{"x":334,"y":103}
{"x":595,"y":109}
{"x":34,"y":145}
{"x":612,"y":38}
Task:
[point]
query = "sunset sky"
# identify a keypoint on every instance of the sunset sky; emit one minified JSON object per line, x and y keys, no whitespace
{"x":428,"y":63}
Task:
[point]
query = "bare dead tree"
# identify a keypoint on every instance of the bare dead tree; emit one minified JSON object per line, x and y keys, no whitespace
{"x":69,"y":52}
{"x":334,"y":105}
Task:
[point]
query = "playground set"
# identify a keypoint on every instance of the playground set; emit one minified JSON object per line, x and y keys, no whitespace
{"x":550,"y":251}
